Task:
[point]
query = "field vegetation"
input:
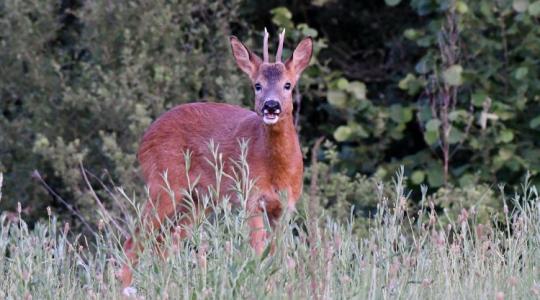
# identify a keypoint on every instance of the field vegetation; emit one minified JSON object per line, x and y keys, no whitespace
{"x":418,"y":120}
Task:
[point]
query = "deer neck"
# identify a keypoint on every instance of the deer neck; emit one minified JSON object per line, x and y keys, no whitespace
{"x":282,"y":144}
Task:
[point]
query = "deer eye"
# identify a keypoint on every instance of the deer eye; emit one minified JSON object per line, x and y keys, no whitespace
{"x":287,"y":86}
{"x":258,"y":87}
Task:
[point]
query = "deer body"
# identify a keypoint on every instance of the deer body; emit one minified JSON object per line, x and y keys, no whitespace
{"x":274,"y":156}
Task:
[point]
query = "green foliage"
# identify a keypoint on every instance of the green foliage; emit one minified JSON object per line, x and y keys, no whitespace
{"x":494,"y":121}
{"x":130,"y":62}
{"x":81,"y":83}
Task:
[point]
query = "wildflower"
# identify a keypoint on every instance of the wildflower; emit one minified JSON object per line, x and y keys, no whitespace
{"x":463,"y":216}
{"x":499,"y":296}
{"x":66,"y":228}
{"x":337,"y":241}
{"x":480,"y":232}
{"x":49,"y":211}
{"x":438,"y":238}
{"x":432,"y":218}
{"x":394,"y":269}
{"x":207,"y":292}
{"x":363,"y":264}
{"x":228,"y":247}
{"x":329,"y":253}
{"x":403,"y":202}
{"x":129,"y":292}
{"x":513,"y":280}
{"x":291,"y":263}
{"x":26,"y":276}
{"x":270,"y":285}
{"x":201,"y":255}
{"x":535,"y":289}
{"x":426,"y":282}
{"x":409,"y":261}
{"x":345,"y":279}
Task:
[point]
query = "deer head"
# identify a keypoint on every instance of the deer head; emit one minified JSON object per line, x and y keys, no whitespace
{"x":273,"y":83}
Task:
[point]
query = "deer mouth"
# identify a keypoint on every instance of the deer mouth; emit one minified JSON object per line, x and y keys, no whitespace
{"x":271,"y":117}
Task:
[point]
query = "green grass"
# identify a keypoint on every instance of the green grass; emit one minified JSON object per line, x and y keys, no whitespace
{"x":405,"y":255}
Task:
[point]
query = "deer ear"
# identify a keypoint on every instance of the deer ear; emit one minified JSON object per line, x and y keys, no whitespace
{"x":301,"y":56}
{"x":246,"y":60}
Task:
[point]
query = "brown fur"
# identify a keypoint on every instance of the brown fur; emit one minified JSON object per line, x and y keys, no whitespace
{"x":274,"y":154}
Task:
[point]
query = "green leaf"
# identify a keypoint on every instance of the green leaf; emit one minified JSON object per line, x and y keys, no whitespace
{"x":431,"y":137}
{"x":452,"y":75}
{"x":435,"y":176}
{"x":400,"y":114}
{"x":281,"y":11}
{"x":404,"y":83}
{"x":395,"y":113}
{"x":521,"y":73}
{"x":505,"y":154}
{"x":520,"y":6}
{"x":534,"y":123}
{"x":418,"y":177}
{"x":342,"y":133}
{"x":433,"y":125}
{"x":478,"y":98}
{"x":458,"y":115}
{"x":466,"y":180}
{"x":392,"y":2}
{"x":337,"y":98}
{"x":307,"y":31}
{"x":534,"y":9}
{"x":281,"y":16}
{"x":462,"y":7}
{"x":342,"y":83}
{"x":407,"y":114}
{"x":358,"y":130}
{"x":358,"y":89}
{"x":411,"y":34}
{"x":506,"y":136}
{"x":424,"y":65}
{"x":455,"y":135}
{"x":411,"y":84}
{"x":424,"y":113}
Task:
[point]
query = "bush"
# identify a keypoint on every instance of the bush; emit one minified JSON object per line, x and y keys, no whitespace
{"x":81,"y":80}
{"x":130,"y":62}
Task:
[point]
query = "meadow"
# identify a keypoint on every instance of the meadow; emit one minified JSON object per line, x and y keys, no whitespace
{"x":404,"y":254}
{"x":418,"y":123}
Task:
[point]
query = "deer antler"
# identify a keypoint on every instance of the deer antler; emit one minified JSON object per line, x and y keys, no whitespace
{"x":280,"y":46}
{"x":265,"y":46}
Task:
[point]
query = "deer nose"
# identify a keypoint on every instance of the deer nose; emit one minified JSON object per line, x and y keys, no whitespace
{"x":271,"y":107}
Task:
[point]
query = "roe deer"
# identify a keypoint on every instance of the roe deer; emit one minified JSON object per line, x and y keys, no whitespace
{"x":274,"y":155}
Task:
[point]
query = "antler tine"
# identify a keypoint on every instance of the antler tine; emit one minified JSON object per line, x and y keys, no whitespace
{"x":265,"y":46}
{"x":280,"y":46}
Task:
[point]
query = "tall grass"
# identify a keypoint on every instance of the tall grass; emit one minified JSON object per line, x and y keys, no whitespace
{"x":405,"y":255}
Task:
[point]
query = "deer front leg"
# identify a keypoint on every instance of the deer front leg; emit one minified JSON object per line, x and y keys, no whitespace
{"x":257,"y":235}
